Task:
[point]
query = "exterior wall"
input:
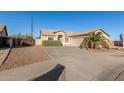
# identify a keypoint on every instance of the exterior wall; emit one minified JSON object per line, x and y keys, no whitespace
{"x":63,"y":36}
{"x":68,"y":43}
{"x":46,"y":37}
{"x":4,"y":42}
{"x":4,"y":38}
{"x":38,"y":42}
{"x":55,"y":38}
{"x":3,"y":33}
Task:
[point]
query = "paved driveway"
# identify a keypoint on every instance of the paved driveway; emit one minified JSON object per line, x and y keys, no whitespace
{"x":87,"y":65}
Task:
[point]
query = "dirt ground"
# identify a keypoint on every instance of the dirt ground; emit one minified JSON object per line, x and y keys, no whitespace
{"x":24,"y":56}
{"x":3,"y":54}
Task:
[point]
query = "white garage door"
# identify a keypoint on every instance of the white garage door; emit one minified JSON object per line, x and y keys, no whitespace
{"x":76,"y":41}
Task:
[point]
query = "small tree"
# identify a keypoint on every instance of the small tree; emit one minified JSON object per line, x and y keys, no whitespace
{"x":95,"y":39}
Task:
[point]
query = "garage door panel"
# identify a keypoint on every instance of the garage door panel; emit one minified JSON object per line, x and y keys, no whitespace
{"x":76,"y":41}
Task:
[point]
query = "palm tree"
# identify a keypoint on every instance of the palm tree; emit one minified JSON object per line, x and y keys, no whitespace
{"x":95,"y":39}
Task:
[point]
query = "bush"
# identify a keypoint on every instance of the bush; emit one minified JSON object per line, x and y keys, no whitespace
{"x":51,"y":43}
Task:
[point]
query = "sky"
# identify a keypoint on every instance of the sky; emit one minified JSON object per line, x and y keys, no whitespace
{"x":20,"y":21}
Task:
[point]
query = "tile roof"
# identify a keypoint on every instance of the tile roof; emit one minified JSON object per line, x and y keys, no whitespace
{"x":48,"y":32}
{"x":71,"y":33}
{"x":91,"y":30}
{"x":52,"y":32}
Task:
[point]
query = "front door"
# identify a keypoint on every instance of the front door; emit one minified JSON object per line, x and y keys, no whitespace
{"x":60,"y":37}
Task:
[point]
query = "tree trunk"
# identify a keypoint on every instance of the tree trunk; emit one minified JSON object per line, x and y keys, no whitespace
{"x":94,"y":46}
{"x":91,"y":45}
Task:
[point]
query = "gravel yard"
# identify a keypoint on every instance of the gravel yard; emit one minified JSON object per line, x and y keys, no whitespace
{"x":24,"y":56}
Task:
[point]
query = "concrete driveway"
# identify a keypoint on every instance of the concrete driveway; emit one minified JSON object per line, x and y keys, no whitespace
{"x":87,"y":65}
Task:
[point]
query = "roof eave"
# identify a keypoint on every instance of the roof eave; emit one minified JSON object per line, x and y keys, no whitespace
{"x":105,"y":32}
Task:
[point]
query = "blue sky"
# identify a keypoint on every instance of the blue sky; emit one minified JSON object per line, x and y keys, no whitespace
{"x":20,"y":22}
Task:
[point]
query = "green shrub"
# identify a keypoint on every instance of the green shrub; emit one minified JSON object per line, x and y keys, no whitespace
{"x":51,"y":43}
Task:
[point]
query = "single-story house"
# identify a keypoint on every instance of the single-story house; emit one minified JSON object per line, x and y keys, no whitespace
{"x":3,"y":30}
{"x":4,"y":38}
{"x":9,"y":41}
{"x":67,"y":38}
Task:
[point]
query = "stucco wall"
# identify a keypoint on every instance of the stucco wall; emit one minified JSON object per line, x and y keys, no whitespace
{"x":3,"y":33}
{"x":46,"y":37}
{"x":63,"y":36}
{"x":38,"y":42}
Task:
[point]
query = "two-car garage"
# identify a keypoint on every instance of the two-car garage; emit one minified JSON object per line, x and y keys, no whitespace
{"x":76,"y":41}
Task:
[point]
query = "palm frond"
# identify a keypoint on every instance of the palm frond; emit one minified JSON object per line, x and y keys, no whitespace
{"x":94,"y":39}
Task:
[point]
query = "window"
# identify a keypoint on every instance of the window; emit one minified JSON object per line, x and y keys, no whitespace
{"x":66,"y":40}
{"x":50,"y":38}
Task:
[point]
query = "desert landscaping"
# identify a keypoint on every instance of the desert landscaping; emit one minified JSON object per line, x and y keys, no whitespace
{"x":21,"y":56}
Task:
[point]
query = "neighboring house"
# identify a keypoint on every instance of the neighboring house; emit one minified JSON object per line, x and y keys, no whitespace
{"x":67,"y":38}
{"x":4,"y":39}
{"x":3,"y":31}
{"x":118,"y":43}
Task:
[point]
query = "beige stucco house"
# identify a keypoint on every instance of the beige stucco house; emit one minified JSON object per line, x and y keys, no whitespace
{"x":67,"y":38}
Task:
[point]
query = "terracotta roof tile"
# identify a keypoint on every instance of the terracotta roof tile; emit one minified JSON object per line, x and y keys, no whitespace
{"x":91,"y":30}
{"x":52,"y":32}
{"x":48,"y":32}
{"x":71,"y":33}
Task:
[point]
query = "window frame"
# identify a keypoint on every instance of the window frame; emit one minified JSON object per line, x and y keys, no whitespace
{"x":68,"y":39}
{"x":50,"y":37}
